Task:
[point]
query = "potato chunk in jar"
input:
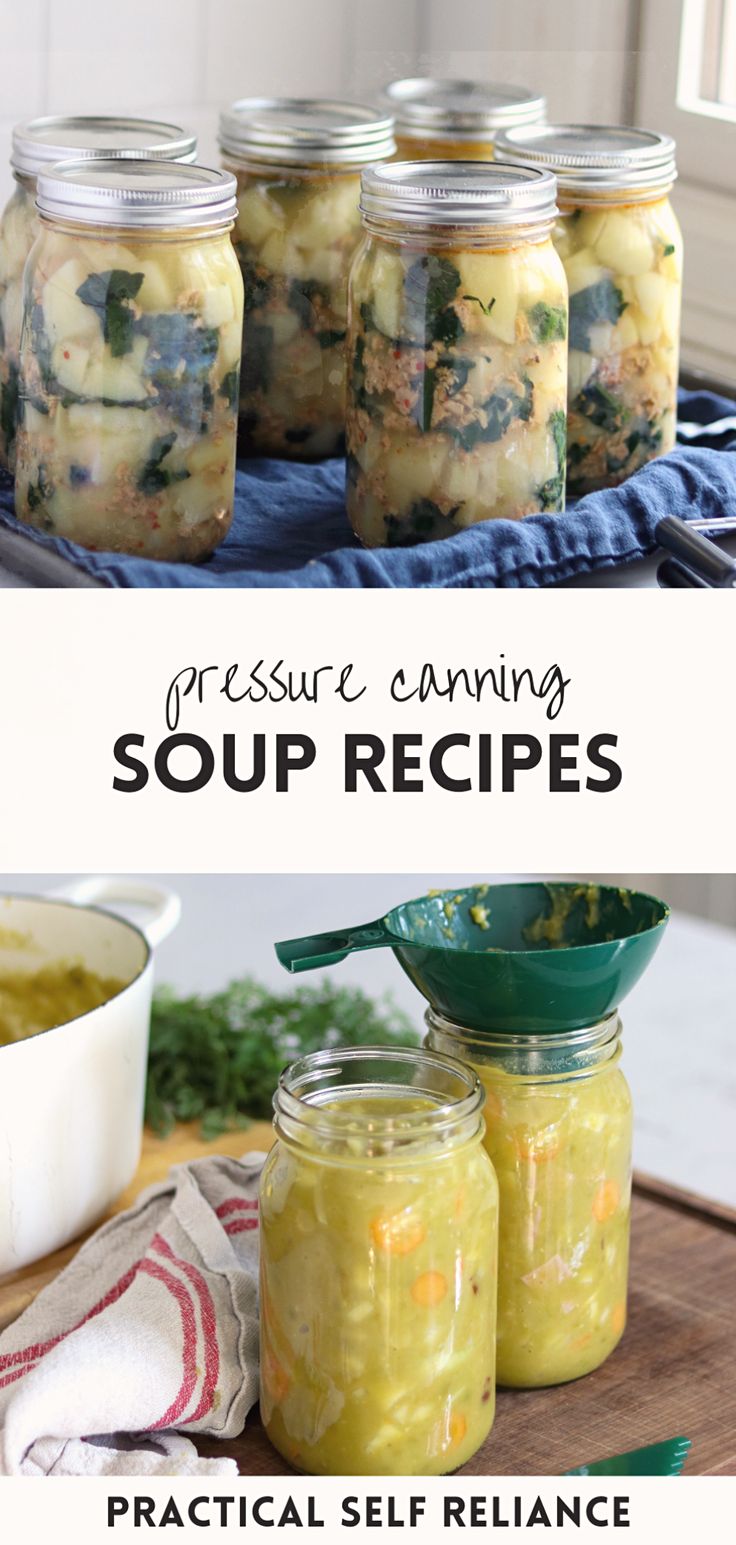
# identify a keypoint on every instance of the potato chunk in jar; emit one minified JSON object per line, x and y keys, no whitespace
{"x":378,"y":1268}
{"x":457,"y":350}
{"x":130,"y":362}
{"x":298,"y":170}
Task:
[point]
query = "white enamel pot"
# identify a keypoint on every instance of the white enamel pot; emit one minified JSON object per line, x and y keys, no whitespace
{"x":71,"y":1098}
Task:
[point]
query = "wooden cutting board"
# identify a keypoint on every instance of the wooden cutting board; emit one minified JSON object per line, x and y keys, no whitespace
{"x":674,"y":1372}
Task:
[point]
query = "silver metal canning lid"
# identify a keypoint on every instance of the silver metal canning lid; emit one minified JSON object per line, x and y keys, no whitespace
{"x":292,"y":132}
{"x":41,"y":142}
{"x":454,"y":193}
{"x":589,"y":158}
{"x":141,"y":194}
{"x":457,"y":108}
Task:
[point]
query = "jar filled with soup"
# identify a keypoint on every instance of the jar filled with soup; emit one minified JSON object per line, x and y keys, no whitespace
{"x":37,"y":144}
{"x":559,"y":1133}
{"x":298,"y":166}
{"x":130,"y":359}
{"x":457,"y":120}
{"x":457,"y":352}
{"x":378,"y":1265}
{"x":621,"y":244}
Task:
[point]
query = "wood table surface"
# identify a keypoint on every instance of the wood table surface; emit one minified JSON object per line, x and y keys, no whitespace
{"x":673,"y":1373}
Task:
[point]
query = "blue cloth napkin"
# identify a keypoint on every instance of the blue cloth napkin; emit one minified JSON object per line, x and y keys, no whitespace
{"x":290,"y":528}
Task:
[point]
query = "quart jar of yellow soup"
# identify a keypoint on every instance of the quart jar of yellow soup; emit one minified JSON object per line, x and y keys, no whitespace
{"x":378,"y":1265}
{"x":40,"y":143}
{"x":621,"y":244}
{"x":457,"y":120}
{"x":457,"y":351}
{"x":559,"y":1131}
{"x":298,"y":166}
{"x":130,"y":359}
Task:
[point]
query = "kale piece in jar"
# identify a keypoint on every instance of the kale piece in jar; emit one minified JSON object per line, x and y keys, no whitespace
{"x":257,"y":364}
{"x":600,"y":405}
{"x":502,"y":409}
{"x":430,"y":287}
{"x":600,"y":302}
{"x":551,"y":493}
{"x":38,"y":495}
{"x":229,"y":387}
{"x":110,"y":294}
{"x":548,"y":324}
{"x":180,"y":357}
{"x":424,"y":522}
{"x":10,"y":405}
{"x":154,"y":477}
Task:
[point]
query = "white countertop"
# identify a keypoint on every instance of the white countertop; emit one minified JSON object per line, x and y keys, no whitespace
{"x":679,"y":1023}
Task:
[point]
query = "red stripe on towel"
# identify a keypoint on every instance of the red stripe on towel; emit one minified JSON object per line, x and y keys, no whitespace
{"x":17,"y":1373}
{"x":209,"y":1327}
{"x":29,"y":1354}
{"x":240,"y":1225}
{"x":189,"y":1328}
{"x":236,"y":1204}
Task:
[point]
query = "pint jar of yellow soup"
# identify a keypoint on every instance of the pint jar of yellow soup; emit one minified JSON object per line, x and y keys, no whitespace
{"x":298,"y":166}
{"x":457,"y":352}
{"x":379,"y":1211}
{"x":457,"y":120}
{"x":559,"y":1131}
{"x":130,"y":359}
{"x":620,"y":242}
{"x":40,"y":143}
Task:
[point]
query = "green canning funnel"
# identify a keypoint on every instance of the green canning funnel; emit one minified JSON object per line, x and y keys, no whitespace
{"x":533,"y":958}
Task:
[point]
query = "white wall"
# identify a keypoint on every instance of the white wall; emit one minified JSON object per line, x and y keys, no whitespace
{"x":186,"y":58}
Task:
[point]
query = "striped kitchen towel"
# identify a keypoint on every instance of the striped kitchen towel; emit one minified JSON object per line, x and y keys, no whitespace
{"x":150,"y":1333}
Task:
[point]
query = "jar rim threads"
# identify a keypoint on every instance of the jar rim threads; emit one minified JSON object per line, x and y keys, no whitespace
{"x":594,"y":158}
{"x":448,"y":1092}
{"x":43,"y":142}
{"x":468,"y":194}
{"x":137,"y":193}
{"x":460,"y":109}
{"x":296,"y":131}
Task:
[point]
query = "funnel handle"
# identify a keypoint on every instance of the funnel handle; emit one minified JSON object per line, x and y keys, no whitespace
{"x":328,"y":949}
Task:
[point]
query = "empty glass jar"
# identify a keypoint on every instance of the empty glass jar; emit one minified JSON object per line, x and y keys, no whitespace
{"x":298,"y":166}
{"x":130,"y":359}
{"x":621,"y":245}
{"x":457,"y":120}
{"x":559,"y":1132}
{"x":457,"y":352}
{"x":37,"y":144}
{"x":378,"y":1265}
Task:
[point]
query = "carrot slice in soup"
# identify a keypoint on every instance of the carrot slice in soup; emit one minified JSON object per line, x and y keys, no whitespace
{"x":606,"y":1200}
{"x":398,"y":1233}
{"x":429,"y":1289}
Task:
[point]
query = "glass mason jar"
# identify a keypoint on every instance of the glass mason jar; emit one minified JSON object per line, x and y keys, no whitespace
{"x":559,"y":1133}
{"x":457,"y":352}
{"x":298,"y":168}
{"x":457,"y":120}
{"x":621,"y":244}
{"x":130,"y":357}
{"x":378,"y":1265}
{"x":40,"y":143}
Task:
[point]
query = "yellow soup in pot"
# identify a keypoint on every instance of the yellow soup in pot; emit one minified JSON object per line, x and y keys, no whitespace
{"x":32,"y":1001}
{"x":378,"y":1289}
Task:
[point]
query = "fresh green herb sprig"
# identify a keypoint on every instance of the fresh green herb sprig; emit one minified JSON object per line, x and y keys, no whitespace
{"x":217,"y":1060}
